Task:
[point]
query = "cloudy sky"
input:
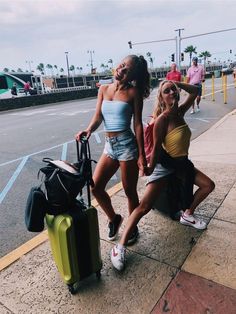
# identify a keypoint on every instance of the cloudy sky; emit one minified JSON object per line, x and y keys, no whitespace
{"x":42,"y":30}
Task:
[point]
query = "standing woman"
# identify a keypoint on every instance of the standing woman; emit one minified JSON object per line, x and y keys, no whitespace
{"x":173,"y":134}
{"x":117,"y":104}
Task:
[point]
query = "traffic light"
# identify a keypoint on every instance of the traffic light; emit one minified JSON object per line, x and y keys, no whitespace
{"x":230,"y":51}
{"x":130,"y":44}
{"x":173,"y":57}
{"x":182,"y":56}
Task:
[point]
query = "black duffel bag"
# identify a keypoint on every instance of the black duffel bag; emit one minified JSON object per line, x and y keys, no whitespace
{"x":35,"y":210}
{"x":64,"y":181}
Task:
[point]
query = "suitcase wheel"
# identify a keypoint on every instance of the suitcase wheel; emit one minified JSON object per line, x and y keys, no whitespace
{"x":73,"y":288}
{"x":98,"y":274}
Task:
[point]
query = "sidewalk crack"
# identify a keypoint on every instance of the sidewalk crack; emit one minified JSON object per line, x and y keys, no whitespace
{"x":6,"y":308}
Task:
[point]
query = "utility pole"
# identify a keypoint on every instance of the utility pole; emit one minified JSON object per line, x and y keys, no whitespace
{"x":67,"y":63}
{"x":178,"y":47}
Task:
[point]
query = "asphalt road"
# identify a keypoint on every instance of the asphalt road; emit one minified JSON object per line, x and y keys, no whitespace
{"x":27,"y":135}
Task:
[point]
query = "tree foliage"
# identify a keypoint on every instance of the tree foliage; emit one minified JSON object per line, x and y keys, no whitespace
{"x":190,"y":49}
{"x":205,"y":54}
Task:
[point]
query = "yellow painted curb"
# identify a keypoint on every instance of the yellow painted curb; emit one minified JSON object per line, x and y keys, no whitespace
{"x":25,"y":248}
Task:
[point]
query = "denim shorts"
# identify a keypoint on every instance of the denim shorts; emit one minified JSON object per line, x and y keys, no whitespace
{"x":158,"y":173}
{"x":122,"y":147}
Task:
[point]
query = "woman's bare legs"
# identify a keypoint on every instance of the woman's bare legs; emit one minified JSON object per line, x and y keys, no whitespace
{"x":206,"y":186}
{"x":151,"y":193}
{"x":129,"y":177}
{"x":104,"y":170}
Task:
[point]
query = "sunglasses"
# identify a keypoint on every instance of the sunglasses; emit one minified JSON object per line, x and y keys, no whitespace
{"x":168,"y":89}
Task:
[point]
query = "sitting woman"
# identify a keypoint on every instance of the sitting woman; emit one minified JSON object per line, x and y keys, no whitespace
{"x":173,"y":134}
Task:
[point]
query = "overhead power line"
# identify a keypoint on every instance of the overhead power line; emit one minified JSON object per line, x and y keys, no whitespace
{"x":178,"y":40}
{"x":220,"y":31}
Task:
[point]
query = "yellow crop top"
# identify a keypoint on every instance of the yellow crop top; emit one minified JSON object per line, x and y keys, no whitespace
{"x":177,"y":141}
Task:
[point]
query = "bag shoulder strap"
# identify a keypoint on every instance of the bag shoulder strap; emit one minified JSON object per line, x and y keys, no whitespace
{"x":83,"y":153}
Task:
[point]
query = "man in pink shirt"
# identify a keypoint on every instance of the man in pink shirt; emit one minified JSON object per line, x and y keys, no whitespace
{"x":173,"y":75}
{"x":196,"y":76}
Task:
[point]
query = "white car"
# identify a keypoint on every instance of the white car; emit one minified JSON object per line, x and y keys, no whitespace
{"x":225,"y":69}
{"x":103,"y":81}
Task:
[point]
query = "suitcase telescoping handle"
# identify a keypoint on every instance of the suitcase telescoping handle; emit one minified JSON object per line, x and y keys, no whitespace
{"x":83,"y":153}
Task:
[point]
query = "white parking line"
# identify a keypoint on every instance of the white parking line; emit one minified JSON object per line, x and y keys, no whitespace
{"x":30,"y":113}
{"x":97,"y":137}
{"x":49,"y":113}
{"x":203,"y":120}
{"x":36,"y":153}
{"x":13,"y":179}
{"x":64,"y":151}
{"x":25,"y":158}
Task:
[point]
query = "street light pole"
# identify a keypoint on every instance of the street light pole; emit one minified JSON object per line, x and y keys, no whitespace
{"x":91,"y":59}
{"x":67,"y":63}
{"x":178,"y":47}
{"x":29,"y":63}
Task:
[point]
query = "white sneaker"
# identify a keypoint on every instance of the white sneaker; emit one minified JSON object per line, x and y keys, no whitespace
{"x":198,"y":109}
{"x":118,"y":257}
{"x":192,"y":111}
{"x":190,"y":220}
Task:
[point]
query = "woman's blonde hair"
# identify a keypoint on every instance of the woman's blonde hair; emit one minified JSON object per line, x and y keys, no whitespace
{"x":160,"y":106}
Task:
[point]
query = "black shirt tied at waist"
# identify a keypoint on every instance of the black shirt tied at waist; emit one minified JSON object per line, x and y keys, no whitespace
{"x":183,"y":179}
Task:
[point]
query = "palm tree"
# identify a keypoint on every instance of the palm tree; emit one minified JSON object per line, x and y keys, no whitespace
{"x":80,"y":69}
{"x":190,"y":50}
{"x":56,"y":67}
{"x":6,"y":70}
{"x":149,"y":55}
{"x":40,"y":67}
{"x":72,"y":68}
{"x":205,"y":54}
{"x":111,"y":62}
{"x":103,"y":66}
{"x":49,"y":66}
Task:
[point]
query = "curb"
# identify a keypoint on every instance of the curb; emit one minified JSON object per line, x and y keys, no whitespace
{"x":28,"y":246}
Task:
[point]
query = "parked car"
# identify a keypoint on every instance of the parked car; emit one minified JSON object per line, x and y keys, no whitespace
{"x":105,"y":80}
{"x":226,"y":69}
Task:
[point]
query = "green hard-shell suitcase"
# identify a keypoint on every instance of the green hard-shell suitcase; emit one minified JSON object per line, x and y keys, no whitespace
{"x":75,"y":242}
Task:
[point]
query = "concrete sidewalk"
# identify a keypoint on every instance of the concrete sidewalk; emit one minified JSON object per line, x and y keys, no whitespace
{"x":171,"y":269}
